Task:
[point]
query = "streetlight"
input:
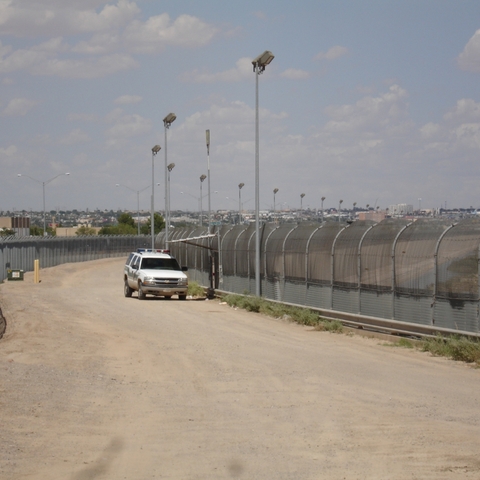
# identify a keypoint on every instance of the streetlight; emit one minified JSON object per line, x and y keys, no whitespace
{"x":207,"y":140}
{"x":240,"y":186}
{"x":275,"y":190}
{"x":170,"y":167}
{"x":419,"y":205}
{"x":323,"y":198}
{"x":339,"y":208}
{"x":202,"y":178}
{"x":155,"y":150}
{"x":301,"y":204}
{"x":259,"y":64}
{"x":167,"y":121}
{"x":138,"y":202}
{"x":43,"y":187}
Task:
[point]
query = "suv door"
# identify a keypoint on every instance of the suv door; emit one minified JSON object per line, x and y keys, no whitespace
{"x":132,"y":271}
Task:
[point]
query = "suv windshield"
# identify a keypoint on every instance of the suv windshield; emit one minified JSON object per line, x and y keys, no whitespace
{"x":160,"y":264}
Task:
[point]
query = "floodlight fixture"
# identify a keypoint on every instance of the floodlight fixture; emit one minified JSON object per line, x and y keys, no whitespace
{"x":169,"y":119}
{"x":262,"y":60}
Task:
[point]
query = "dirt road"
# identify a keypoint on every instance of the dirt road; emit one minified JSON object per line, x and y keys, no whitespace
{"x":97,"y":386}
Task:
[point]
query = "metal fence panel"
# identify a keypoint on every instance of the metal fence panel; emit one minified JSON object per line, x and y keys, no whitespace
{"x":376,"y":303}
{"x":457,"y":314}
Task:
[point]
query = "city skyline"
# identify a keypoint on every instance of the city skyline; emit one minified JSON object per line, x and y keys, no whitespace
{"x":375,"y":103}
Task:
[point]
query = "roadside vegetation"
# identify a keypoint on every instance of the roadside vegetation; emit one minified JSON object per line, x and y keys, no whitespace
{"x":455,"y":347}
{"x":195,"y":290}
{"x":302,"y":316}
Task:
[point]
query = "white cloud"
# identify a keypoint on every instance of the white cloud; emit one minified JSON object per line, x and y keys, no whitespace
{"x":469,"y":59}
{"x":9,"y":151}
{"x":294,"y":74}
{"x":43,"y":17}
{"x":128,"y":99}
{"x":83,"y":117}
{"x":18,"y":107}
{"x":241,"y":71}
{"x":387,"y":111}
{"x":84,"y":68}
{"x":159,"y":31}
{"x":332,"y":53}
{"x":465,"y":109}
{"x":74,"y":137}
{"x":125,"y":126}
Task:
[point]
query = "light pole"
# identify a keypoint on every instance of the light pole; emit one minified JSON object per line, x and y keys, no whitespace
{"x":167,"y":121}
{"x":207,"y":140}
{"x":259,"y":64}
{"x":354,"y":205}
{"x":240,"y":186}
{"x":202,"y":179}
{"x":170,"y":167}
{"x":138,"y":202}
{"x":43,"y":187}
{"x":323,"y":198}
{"x":275,"y":190}
{"x":155,"y":150}
{"x":301,"y":204}
{"x":339,"y":208}
{"x":419,"y":205}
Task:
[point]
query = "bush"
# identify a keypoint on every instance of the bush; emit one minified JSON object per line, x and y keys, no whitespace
{"x":195,"y":290}
{"x":456,"y":347}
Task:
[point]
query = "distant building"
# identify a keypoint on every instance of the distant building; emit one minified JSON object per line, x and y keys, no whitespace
{"x":20,"y":225}
{"x":376,"y":216}
{"x":400,"y":209}
{"x":71,"y":231}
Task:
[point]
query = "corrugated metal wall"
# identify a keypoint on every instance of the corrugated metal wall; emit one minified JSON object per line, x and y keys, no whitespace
{"x":20,"y":254}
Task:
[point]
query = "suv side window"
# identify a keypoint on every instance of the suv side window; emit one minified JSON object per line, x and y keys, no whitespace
{"x":135,"y":261}
{"x":129,"y":259}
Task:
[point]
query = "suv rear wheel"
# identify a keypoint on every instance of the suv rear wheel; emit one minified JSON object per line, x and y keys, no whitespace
{"x":127,"y":290}
{"x":141,"y":294}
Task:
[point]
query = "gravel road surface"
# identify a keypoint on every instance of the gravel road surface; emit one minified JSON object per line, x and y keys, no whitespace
{"x":94,"y":385}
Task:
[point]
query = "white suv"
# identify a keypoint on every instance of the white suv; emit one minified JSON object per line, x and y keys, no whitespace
{"x":154,"y":272}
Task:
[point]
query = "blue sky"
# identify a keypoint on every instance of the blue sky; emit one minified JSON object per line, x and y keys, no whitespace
{"x":373,"y":102}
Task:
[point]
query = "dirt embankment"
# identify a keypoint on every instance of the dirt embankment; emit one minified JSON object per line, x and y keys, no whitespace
{"x":97,"y":386}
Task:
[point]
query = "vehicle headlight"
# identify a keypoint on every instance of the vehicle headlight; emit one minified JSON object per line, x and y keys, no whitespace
{"x":149,"y":281}
{"x":183,"y":281}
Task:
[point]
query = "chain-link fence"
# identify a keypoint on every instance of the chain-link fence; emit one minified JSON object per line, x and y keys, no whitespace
{"x":420,"y":272}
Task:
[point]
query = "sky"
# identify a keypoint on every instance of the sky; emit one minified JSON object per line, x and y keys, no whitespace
{"x":371,"y":102}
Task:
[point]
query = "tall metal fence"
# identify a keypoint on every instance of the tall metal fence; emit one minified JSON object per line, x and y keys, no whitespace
{"x":20,"y":253}
{"x":423,"y":272}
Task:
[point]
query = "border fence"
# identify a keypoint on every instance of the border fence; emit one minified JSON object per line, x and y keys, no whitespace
{"x":20,"y":253}
{"x":423,"y":272}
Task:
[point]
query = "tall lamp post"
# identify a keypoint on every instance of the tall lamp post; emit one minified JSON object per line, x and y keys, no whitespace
{"x":259,"y":63}
{"x":339,"y":208}
{"x":202,"y":179}
{"x":301,"y":204}
{"x":240,"y":186}
{"x":155,"y":150}
{"x":167,"y":121}
{"x":43,"y":187}
{"x":323,"y":198}
{"x":170,"y":167}
{"x":275,"y":190}
{"x":207,"y":141}
{"x":138,"y":202}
